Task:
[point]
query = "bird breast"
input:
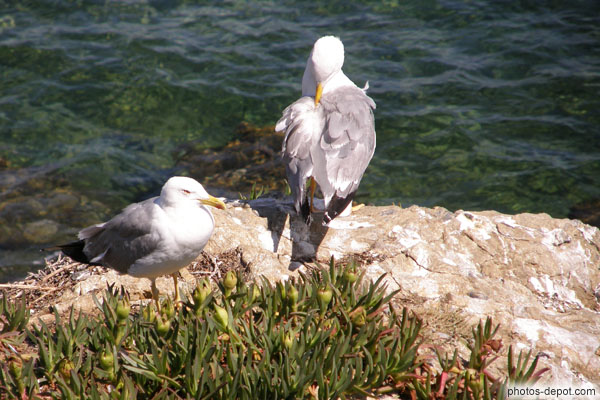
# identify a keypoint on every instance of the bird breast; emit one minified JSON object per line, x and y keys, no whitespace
{"x":189,"y":228}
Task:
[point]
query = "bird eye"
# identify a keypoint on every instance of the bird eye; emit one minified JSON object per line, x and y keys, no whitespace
{"x":185,"y":191}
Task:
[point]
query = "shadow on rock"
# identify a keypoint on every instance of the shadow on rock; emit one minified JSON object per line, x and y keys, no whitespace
{"x":305,"y":239}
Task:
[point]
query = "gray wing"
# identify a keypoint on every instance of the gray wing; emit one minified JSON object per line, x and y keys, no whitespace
{"x":124,"y":239}
{"x":347,"y":143}
{"x":303,"y":124}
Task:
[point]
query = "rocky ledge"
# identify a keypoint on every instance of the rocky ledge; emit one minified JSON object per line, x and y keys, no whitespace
{"x":537,"y":276}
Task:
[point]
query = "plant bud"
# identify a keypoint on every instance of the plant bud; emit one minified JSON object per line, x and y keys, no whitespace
{"x":476,"y":384}
{"x":350,"y":275}
{"x":324,"y":295}
{"x":148,"y":313}
{"x":123,"y":309}
{"x":201,"y":293}
{"x":455,"y":370}
{"x":16,"y":368}
{"x":221,"y":317}
{"x":288,"y":340}
{"x":358,"y":317}
{"x":230,"y":281}
{"x":106,"y":360}
{"x":162,"y":327}
{"x":224,"y":338}
{"x":65,"y":367}
{"x":168,"y":310}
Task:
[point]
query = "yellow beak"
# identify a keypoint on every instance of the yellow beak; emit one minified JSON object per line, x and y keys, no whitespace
{"x":318,"y":93}
{"x":213,"y":202}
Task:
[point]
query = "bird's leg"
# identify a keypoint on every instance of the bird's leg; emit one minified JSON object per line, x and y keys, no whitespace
{"x":177,"y":299}
{"x":155,"y":293}
{"x":313,"y":187}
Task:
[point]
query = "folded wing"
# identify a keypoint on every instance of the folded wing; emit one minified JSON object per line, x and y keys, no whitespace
{"x":303,"y":124}
{"x":123,"y":240}
{"x":332,"y":142}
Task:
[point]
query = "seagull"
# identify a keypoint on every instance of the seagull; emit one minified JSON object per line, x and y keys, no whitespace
{"x":329,"y":133}
{"x":155,"y":237}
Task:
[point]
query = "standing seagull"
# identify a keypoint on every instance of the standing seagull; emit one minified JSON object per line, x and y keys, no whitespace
{"x":329,"y":133}
{"x":155,"y":237}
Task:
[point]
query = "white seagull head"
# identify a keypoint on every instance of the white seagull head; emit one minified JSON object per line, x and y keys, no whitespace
{"x":180,"y":190}
{"x":323,"y":65}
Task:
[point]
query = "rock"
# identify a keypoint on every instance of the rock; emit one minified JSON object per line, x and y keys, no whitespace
{"x":251,"y":161}
{"x":41,"y":231}
{"x":588,"y":212}
{"x":537,"y":276}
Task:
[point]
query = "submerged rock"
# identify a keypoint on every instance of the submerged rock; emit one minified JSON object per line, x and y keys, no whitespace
{"x":588,"y":212}
{"x":251,"y":160}
{"x":36,"y":219}
{"x":41,"y":231}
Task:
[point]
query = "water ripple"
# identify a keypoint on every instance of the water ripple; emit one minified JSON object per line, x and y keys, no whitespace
{"x":479,"y":105}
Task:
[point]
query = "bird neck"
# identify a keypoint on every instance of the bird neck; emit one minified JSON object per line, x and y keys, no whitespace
{"x":334,"y":81}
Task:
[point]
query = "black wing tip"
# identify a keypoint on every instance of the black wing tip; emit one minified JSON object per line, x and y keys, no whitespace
{"x":74,"y":250}
{"x":336,"y":206}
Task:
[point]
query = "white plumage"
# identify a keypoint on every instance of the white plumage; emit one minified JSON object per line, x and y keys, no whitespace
{"x":155,"y":237}
{"x":329,"y":132}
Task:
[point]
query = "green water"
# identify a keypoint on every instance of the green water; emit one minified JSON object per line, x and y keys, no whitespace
{"x":480,"y":105}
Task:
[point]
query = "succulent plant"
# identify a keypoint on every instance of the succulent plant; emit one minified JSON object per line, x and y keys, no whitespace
{"x":123,"y":309}
{"x":229,"y":283}
{"x":162,"y":326}
{"x":200,"y":295}
{"x":106,"y":360}
{"x":327,"y":334}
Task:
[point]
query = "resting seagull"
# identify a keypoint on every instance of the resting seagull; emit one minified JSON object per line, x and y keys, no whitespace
{"x":329,"y":133}
{"x":155,"y":237}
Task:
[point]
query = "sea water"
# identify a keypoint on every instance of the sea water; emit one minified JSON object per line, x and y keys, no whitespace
{"x":480,"y":105}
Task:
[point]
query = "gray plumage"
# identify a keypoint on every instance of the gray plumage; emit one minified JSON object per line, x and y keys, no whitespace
{"x":155,"y":237}
{"x":125,"y":239}
{"x":332,"y":141}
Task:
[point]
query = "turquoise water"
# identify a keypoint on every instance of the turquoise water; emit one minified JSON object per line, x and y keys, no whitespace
{"x":480,"y":105}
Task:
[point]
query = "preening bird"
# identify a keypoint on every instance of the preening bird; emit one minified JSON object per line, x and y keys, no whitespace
{"x":155,"y":237}
{"x":329,"y":133}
